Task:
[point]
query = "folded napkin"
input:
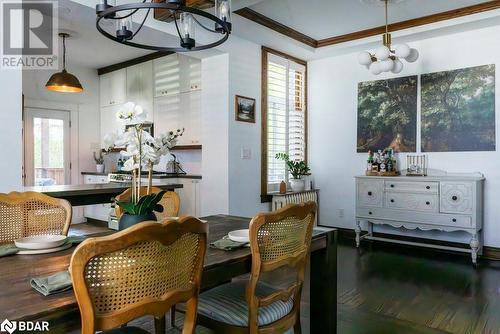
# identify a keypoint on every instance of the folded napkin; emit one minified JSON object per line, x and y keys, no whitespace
{"x":10,"y":249}
{"x":55,"y":283}
{"x":227,"y":244}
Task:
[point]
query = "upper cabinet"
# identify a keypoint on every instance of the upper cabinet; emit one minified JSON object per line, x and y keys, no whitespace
{"x":113,"y":88}
{"x":140,"y":87}
{"x":176,"y":74}
{"x":167,"y":79}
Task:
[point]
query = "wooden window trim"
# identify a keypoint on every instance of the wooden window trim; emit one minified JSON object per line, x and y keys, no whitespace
{"x":264,"y":196}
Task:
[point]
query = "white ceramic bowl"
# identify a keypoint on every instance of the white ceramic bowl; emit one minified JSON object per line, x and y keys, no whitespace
{"x":40,"y":241}
{"x":239,"y":235}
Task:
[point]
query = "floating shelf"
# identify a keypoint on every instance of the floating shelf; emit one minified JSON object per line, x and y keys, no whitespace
{"x":186,"y":147}
{"x":176,"y":148}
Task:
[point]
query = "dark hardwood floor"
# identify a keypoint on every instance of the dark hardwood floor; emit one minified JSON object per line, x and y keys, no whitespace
{"x":385,"y":289}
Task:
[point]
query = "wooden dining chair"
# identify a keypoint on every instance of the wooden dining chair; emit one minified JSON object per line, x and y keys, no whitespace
{"x":31,"y":213}
{"x":277,"y":240}
{"x":143,"y":270}
{"x":170,"y":201}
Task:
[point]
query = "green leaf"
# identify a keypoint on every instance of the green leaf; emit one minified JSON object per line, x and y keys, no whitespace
{"x":159,"y":208}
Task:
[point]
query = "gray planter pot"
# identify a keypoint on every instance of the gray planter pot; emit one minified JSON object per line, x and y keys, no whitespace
{"x":127,"y":220}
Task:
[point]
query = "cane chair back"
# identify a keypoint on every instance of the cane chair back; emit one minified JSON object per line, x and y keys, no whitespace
{"x":170,"y":202}
{"x":31,"y":213}
{"x":279,"y":239}
{"x":143,"y":270}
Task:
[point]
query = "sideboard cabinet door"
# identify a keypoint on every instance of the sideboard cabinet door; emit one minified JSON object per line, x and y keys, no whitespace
{"x":370,"y":192}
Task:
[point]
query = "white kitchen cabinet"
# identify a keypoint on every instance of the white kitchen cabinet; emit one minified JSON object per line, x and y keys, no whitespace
{"x":190,"y":197}
{"x":98,"y":211}
{"x":167,"y":113}
{"x":113,"y":88}
{"x":190,"y":73}
{"x":167,"y":72}
{"x":140,"y":87}
{"x":180,"y":111}
{"x":109,"y":123}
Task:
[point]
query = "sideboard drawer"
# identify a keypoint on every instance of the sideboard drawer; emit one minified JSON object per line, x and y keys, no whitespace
{"x":415,"y":202}
{"x":457,"y":197}
{"x":424,"y":187}
{"x":370,"y":192}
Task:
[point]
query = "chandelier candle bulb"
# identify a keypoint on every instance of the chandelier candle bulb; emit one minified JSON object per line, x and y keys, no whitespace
{"x":402,"y":50}
{"x":365,"y":58}
{"x":223,"y":11}
{"x":383,"y":53}
{"x":413,"y":57}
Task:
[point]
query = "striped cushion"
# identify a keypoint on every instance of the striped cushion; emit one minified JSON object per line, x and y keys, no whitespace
{"x":227,"y":304}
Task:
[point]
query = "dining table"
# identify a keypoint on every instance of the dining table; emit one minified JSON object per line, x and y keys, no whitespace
{"x":18,"y":301}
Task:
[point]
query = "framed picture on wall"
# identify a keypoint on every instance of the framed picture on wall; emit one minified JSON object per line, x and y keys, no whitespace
{"x":244,"y":109}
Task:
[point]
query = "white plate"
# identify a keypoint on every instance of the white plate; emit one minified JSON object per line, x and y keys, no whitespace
{"x":43,"y":251}
{"x":41,"y":241}
{"x":239,"y":235}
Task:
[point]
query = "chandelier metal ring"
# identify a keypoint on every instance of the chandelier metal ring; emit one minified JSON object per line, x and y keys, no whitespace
{"x":112,"y":11}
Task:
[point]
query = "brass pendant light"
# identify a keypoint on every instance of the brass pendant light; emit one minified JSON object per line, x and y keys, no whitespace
{"x":64,"y":82}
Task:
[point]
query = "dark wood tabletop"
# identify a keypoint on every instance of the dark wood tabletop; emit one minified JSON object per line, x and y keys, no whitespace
{"x":18,"y":301}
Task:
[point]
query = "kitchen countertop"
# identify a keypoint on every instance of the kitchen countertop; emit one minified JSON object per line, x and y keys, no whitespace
{"x":155,"y":176}
{"x":88,"y":194}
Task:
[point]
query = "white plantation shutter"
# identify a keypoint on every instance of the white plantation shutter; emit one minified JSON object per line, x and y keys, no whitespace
{"x":286,"y":119}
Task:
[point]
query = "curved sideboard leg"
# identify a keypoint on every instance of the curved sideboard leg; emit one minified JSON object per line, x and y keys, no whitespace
{"x":357,"y":229}
{"x":474,"y":245}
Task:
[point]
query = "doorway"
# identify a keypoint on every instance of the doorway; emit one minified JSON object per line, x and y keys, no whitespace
{"x":47,"y":147}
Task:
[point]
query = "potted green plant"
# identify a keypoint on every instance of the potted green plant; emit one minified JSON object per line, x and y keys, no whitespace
{"x":99,"y":162}
{"x":297,"y":169}
{"x":143,"y":210}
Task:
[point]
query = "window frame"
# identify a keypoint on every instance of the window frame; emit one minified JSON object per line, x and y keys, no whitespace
{"x":265,"y":196}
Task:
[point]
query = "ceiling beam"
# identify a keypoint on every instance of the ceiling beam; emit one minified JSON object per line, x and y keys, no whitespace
{"x":294,"y":34}
{"x":165,"y":14}
{"x":257,"y":17}
{"x":443,"y":16}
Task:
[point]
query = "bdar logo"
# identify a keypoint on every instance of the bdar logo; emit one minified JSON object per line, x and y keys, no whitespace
{"x":8,"y":326}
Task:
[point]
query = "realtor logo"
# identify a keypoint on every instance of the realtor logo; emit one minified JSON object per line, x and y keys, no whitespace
{"x":29,"y":34}
{"x":8,"y":326}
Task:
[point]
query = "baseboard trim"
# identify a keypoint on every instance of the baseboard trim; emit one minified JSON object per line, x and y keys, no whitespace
{"x":489,"y":253}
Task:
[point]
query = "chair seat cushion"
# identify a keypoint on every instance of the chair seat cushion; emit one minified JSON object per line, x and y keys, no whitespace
{"x":126,"y":330}
{"x":227,"y":304}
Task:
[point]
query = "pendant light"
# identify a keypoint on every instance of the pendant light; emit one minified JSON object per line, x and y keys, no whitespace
{"x":64,"y":82}
{"x":386,"y":58}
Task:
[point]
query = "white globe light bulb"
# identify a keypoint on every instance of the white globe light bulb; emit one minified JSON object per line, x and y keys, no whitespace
{"x":364,"y":58}
{"x":402,"y":50}
{"x":386,"y":65}
{"x":398,"y":66}
{"x":382,"y":53}
{"x":375,"y":68}
{"x":413,"y":57}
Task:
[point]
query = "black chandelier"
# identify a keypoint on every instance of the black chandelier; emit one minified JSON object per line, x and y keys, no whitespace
{"x":183,"y":17}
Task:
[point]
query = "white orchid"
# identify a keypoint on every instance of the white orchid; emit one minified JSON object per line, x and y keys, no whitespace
{"x":131,"y":113}
{"x":141,"y":149}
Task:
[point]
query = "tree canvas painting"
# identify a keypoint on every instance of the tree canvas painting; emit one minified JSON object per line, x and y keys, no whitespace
{"x":458,"y":110}
{"x":387,"y":115}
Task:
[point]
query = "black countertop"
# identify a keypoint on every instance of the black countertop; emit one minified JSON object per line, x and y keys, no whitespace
{"x":156,"y":176}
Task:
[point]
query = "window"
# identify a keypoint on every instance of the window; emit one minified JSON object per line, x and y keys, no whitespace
{"x":284,"y":116}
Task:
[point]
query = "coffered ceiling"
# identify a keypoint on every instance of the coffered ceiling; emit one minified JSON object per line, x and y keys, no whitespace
{"x":322,"y":19}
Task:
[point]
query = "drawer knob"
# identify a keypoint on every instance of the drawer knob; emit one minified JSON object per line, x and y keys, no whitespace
{"x":454,"y":220}
{"x":428,"y":187}
{"x":392,"y":186}
{"x":428,"y":203}
{"x":369,"y":193}
{"x":392,"y":201}
{"x":454,"y":198}
{"x":370,"y":213}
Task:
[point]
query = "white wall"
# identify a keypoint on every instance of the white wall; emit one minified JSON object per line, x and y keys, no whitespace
{"x":214,"y":188}
{"x":332,"y":123}
{"x":244,"y":174}
{"x":87,"y":102}
{"x":10,"y":130}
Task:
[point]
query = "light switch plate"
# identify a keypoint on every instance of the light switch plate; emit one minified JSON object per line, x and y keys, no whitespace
{"x":246,"y":153}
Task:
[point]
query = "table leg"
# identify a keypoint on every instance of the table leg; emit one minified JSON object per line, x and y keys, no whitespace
{"x":323,"y":287}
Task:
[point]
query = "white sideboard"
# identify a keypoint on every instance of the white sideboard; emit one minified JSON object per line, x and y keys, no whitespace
{"x":444,"y":203}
